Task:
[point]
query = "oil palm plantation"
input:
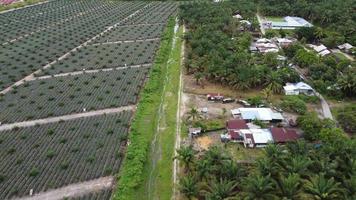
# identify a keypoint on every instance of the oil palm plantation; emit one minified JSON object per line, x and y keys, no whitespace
{"x":259,"y":187}
{"x":189,"y":186}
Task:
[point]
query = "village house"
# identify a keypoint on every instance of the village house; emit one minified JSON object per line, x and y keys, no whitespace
{"x":233,"y":126}
{"x":261,"y":114}
{"x":283,"y":135}
{"x":256,"y":137}
{"x":298,"y":88}
{"x":321,"y":49}
{"x":264,"y":45}
{"x":347,"y":47}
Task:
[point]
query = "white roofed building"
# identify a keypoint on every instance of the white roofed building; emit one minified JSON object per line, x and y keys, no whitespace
{"x":262,"y":114}
{"x":256,"y":137}
{"x":298,"y":88}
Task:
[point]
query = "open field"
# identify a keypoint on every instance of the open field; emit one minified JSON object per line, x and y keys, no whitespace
{"x":53,"y":155}
{"x":78,"y":60}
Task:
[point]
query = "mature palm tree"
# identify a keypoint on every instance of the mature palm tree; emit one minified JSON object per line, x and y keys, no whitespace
{"x":320,"y":188}
{"x":194,"y":114}
{"x":347,"y":83}
{"x":258,"y":187}
{"x":350,"y":186}
{"x":186,"y":155}
{"x":219,"y":190}
{"x":290,"y":187}
{"x":189,"y":186}
{"x":298,"y":164}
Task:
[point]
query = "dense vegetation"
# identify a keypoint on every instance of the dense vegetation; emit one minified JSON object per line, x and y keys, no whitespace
{"x":338,"y":17}
{"x":54,"y":155}
{"x":218,"y":51}
{"x":297,"y":171}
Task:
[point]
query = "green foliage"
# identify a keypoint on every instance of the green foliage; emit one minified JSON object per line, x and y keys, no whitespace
{"x":312,"y":125}
{"x":346,"y":117}
{"x":34,"y":172}
{"x":294,"y":104}
{"x":304,"y":58}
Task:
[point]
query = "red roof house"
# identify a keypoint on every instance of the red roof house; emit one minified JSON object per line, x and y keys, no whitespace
{"x":236,"y":124}
{"x":282,"y":135}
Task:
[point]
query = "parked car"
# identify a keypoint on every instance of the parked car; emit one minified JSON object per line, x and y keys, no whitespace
{"x":243,"y":102}
{"x":228,"y":100}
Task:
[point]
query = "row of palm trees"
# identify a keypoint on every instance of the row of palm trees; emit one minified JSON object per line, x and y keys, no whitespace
{"x":296,"y":171}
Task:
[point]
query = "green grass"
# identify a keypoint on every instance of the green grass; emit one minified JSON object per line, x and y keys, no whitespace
{"x":19,"y":4}
{"x":239,"y":152}
{"x":138,"y":170}
{"x":160,"y":177}
{"x":275,"y":19}
{"x":340,"y":56}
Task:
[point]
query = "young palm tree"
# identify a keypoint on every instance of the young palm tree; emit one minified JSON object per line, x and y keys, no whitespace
{"x":258,"y":187}
{"x":275,"y":82}
{"x":219,"y":190}
{"x":188,"y":186}
{"x":194,"y":114}
{"x":320,"y":188}
{"x":267,"y":93}
{"x":186,"y":156}
{"x":299,"y":165}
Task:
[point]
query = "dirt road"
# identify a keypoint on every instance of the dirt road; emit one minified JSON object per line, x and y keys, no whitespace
{"x":73,"y":190}
{"x":65,"y":117}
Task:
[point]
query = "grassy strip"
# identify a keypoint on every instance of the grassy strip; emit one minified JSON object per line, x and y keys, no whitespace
{"x":19,"y":4}
{"x":145,"y":122}
{"x":161,"y":174}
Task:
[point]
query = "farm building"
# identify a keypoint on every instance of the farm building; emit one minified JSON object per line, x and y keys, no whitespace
{"x":287,"y":23}
{"x":256,"y":137}
{"x":282,"y":135}
{"x":262,"y":114}
{"x":298,"y":88}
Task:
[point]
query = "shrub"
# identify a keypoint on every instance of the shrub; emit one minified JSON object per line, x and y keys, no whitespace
{"x":294,"y":104}
{"x":34,"y":172}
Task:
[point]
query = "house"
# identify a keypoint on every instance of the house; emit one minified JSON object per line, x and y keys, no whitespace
{"x":265,"y":45}
{"x":282,"y":135}
{"x":214,"y":97}
{"x":298,"y":88}
{"x":236,"y":124}
{"x":284,"y":42}
{"x":262,"y":114}
{"x":233,"y":126}
{"x":256,"y":137}
{"x":345,"y":47}
{"x":322,"y":50}
{"x":287,"y":23}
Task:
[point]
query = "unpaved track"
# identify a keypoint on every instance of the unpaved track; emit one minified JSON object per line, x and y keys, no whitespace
{"x":74,"y":190}
{"x":32,"y":75}
{"x":178,"y":125}
{"x":126,"y":41}
{"x":89,"y":71}
{"x":65,"y":117}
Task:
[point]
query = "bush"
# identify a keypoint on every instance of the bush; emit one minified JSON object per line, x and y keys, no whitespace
{"x":34,"y":172}
{"x":294,"y":104}
{"x":347,"y":118}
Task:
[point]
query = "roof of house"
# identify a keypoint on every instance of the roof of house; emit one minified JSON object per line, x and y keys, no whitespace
{"x":234,"y":135}
{"x":264,"y":114}
{"x":236,"y":124}
{"x":346,"y":46}
{"x":281,"y":135}
{"x":324,"y":52}
{"x":195,"y":130}
{"x":260,"y":136}
{"x":237,"y":16}
{"x":263,"y":40}
{"x":319,"y":48}
{"x":297,"y":86}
